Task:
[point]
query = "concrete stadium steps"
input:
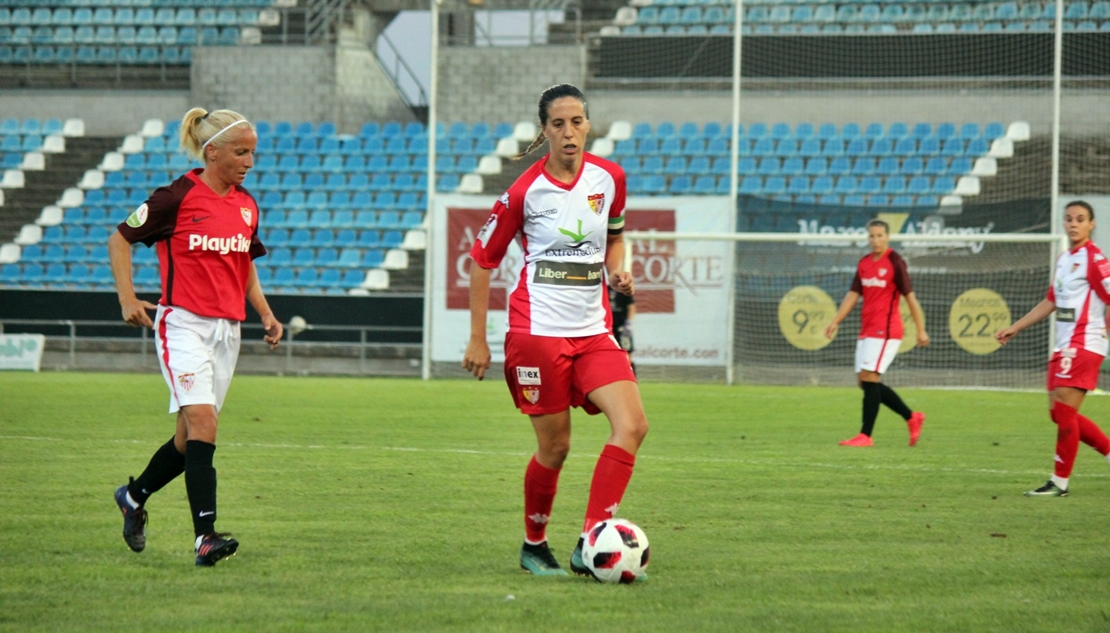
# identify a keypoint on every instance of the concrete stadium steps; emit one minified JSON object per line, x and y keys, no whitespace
{"x":23,"y":206}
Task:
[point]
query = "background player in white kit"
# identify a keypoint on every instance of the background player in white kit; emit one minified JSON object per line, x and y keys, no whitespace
{"x":205,"y":226}
{"x":568,"y":211}
{"x":1079,"y":294}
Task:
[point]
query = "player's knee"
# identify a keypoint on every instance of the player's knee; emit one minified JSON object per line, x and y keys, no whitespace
{"x":554,"y":452}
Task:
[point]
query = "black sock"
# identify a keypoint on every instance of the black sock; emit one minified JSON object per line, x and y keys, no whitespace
{"x":872,"y":398}
{"x":165,"y":465}
{"x":891,"y":400}
{"x":200,"y":485}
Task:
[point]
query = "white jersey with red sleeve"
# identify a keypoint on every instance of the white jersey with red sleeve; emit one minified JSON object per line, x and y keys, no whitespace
{"x":561,"y":289}
{"x":1081,"y":291}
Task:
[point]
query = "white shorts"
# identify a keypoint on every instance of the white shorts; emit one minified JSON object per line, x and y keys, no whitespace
{"x":876,"y":354}
{"x":197,"y":355}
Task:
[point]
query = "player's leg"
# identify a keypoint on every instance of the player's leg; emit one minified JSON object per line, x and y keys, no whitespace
{"x":891,"y":399}
{"x":1071,"y":374}
{"x":541,"y":482}
{"x":538,"y":376}
{"x":868,"y":352}
{"x":604,"y":382}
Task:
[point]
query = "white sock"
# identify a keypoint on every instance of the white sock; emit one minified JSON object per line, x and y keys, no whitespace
{"x":131,"y":501}
{"x":1108,"y":457}
{"x":1061,"y":482}
{"x":199,"y":539}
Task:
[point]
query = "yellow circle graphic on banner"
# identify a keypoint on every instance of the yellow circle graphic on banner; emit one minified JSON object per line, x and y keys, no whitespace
{"x":974,"y":318}
{"x":804,"y":313}
{"x":909,"y":328}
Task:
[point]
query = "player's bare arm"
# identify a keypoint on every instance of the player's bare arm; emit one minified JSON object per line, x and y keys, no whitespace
{"x":134,"y":310}
{"x":1038,"y":313}
{"x":619,"y":279}
{"x":270,"y":323}
{"x":918,"y":320}
{"x":477,"y":357}
{"x":846,"y":306}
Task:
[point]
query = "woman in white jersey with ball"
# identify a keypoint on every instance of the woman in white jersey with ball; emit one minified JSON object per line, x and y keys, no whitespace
{"x":205,"y":227}
{"x":568,"y":212}
{"x":1078,"y":295}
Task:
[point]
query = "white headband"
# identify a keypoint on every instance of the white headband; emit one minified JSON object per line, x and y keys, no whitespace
{"x":221,"y":132}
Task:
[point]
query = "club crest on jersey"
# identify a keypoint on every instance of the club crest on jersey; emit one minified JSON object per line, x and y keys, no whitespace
{"x":138,"y":218}
{"x":531,"y":394}
{"x":186,"y":381}
{"x":597,"y":202}
{"x":528,"y":376}
{"x":882,"y":272}
{"x":1074,"y":266}
{"x":246,"y":213}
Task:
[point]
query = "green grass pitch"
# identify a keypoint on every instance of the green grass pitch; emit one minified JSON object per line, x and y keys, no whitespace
{"x":395,"y":505}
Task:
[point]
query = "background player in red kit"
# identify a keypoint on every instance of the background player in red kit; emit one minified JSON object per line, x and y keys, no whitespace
{"x":882,"y":280}
{"x":1079,"y":294}
{"x":205,"y":227}
{"x":568,"y":212}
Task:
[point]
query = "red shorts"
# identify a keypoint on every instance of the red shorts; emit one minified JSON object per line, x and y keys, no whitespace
{"x":548,"y":374}
{"x":1074,"y":367}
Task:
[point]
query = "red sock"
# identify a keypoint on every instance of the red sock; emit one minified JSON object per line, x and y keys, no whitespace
{"x":1067,"y":438}
{"x":540,"y":484}
{"x":1091,"y":435}
{"x":614,"y":469}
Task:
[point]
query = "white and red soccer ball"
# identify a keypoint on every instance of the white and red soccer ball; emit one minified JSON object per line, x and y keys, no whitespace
{"x":616,"y":550}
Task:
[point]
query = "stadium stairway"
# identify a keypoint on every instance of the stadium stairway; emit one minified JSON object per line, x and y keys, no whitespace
{"x":43,"y":188}
{"x":1025,"y":175}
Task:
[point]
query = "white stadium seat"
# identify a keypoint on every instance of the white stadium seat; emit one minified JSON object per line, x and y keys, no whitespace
{"x":51,"y":215}
{"x":152,"y":128}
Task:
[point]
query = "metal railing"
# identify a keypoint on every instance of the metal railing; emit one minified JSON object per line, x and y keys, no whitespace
{"x":72,"y":341}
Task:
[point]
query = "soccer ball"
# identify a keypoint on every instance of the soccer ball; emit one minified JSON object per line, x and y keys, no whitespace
{"x":616,"y":551}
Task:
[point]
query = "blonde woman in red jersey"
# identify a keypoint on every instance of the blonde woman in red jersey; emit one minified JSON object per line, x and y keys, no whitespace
{"x":205,"y":227}
{"x":1078,"y":295}
{"x":881,"y":280}
{"x":567,"y":210}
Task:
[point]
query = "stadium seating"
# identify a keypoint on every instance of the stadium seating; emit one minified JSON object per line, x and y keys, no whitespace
{"x":900,"y":165}
{"x":768,"y":17}
{"x":319,"y":214}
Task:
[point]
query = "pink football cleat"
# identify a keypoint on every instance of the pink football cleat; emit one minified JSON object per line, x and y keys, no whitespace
{"x":859,"y":440}
{"x":915,"y":422}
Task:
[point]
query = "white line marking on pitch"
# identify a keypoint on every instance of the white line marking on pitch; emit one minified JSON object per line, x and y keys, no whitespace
{"x":693,"y":460}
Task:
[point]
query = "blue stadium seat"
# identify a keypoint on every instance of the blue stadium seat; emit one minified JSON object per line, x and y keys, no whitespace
{"x":816,"y":166}
{"x":864,"y":166}
{"x":841,"y":166}
{"x":887,"y":165}
{"x":870,"y":185}
{"x":846,"y":185}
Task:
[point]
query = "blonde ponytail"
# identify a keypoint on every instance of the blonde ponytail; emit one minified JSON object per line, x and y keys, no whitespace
{"x":200,"y":127}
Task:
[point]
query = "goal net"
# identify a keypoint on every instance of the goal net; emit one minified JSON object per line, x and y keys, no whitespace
{"x":786,"y":289}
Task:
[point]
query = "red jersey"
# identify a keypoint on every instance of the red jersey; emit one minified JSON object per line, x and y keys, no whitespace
{"x":205,"y":244}
{"x":882,"y":283}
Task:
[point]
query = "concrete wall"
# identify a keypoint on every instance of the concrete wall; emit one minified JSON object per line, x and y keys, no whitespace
{"x":503,"y":84}
{"x":292,"y":83}
{"x":106,"y":112}
{"x":344,"y":84}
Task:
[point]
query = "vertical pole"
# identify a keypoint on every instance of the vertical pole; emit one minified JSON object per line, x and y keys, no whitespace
{"x":429,"y":212}
{"x":1054,"y":195}
{"x":733,"y":186}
